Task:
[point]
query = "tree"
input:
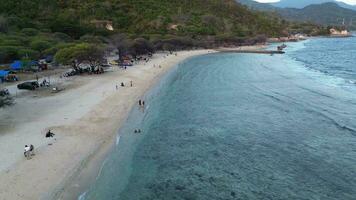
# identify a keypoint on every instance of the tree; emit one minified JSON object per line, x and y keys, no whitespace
{"x":80,"y":53}
{"x":141,"y":46}
{"x":8,"y":54}
{"x":40,"y":45}
{"x":168,"y":47}
{"x":121,"y":43}
{"x":62,"y":37}
{"x":4,"y":26}
{"x":30,"y":31}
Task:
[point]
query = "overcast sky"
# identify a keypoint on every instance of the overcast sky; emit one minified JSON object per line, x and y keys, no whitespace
{"x":353,"y":2}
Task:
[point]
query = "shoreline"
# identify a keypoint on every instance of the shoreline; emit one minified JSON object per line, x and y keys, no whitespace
{"x":93,"y":114}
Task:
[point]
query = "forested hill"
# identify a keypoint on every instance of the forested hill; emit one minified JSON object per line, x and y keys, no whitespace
{"x":32,"y":29}
{"x":202,"y":17}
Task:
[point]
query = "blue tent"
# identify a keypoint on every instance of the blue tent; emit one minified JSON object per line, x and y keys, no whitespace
{"x":16,"y":65}
{"x":3,"y":73}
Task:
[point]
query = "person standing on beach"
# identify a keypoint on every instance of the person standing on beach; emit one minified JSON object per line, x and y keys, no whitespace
{"x":117,"y":87}
{"x":32,"y":150}
{"x":27,"y":152}
{"x":140,"y":102}
{"x":131,"y":83}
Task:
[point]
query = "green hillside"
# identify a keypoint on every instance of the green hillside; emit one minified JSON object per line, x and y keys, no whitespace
{"x":40,"y":27}
{"x":203,"y":17}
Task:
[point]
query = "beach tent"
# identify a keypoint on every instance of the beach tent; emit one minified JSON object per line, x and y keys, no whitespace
{"x":3,"y":74}
{"x":16,"y":65}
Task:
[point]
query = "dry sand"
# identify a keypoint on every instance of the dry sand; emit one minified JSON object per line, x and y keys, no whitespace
{"x":85,"y":118}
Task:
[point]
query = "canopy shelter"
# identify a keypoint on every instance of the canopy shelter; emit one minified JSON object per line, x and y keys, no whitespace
{"x":3,"y":74}
{"x":16,"y":65}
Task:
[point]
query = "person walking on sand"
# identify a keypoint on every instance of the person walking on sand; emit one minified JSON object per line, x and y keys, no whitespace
{"x":32,"y":150}
{"x":122,"y":84}
{"x":131,"y":84}
{"x":117,"y":87}
{"x":27,"y":152}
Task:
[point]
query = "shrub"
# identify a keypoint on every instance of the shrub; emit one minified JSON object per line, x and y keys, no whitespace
{"x":30,"y":31}
{"x":4,"y":26}
{"x":8,"y":54}
{"x":28,"y":53}
{"x":53,"y":50}
{"x":92,"y":39}
{"x":62,"y":37}
{"x":11,"y":42}
{"x":40,"y":45}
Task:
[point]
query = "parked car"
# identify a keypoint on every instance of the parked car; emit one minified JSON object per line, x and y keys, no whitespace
{"x":31,"y":85}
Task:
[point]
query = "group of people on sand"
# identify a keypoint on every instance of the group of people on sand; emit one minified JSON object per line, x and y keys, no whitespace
{"x":141,"y":103}
{"x":122,"y":84}
{"x":29,"y":150}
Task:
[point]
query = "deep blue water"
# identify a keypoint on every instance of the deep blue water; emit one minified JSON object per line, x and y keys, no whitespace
{"x":243,"y":126}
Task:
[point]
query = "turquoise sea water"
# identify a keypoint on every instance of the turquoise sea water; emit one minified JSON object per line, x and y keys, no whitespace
{"x":242,"y":126}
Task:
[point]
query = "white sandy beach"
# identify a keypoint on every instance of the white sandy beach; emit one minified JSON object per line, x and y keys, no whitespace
{"x":85,"y":118}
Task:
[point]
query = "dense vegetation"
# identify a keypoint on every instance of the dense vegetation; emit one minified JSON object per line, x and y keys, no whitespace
{"x":36,"y":28}
{"x":202,"y":17}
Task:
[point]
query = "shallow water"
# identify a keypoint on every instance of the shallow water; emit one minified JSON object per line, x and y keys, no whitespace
{"x":240,"y":126}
